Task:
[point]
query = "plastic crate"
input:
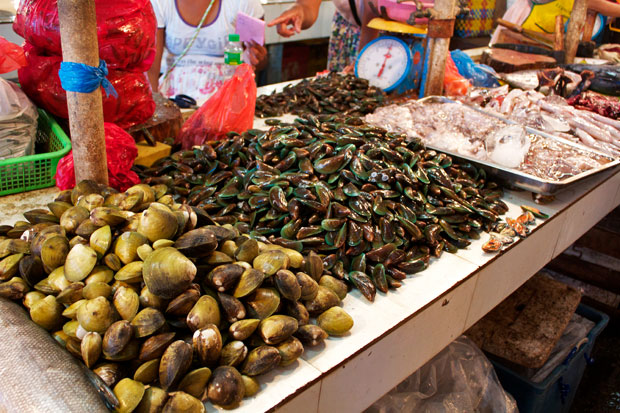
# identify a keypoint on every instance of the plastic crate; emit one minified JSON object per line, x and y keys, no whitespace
{"x":36,"y":171}
{"x":555,"y":393}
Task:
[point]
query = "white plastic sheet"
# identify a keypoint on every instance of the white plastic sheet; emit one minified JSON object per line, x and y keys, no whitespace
{"x":18,"y":122}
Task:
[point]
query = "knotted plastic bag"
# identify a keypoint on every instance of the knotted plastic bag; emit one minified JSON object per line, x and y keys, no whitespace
{"x":11,"y":56}
{"x":134,"y":104}
{"x":125,"y":31}
{"x":230,"y":109}
{"x":121,"y":151}
{"x":481,"y":75}
{"x":453,"y":83}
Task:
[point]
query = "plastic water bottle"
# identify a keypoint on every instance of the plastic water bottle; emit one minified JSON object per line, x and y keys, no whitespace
{"x":232,"y":53}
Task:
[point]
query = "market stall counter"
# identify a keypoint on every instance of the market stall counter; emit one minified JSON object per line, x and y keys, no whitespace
{"x":400,"y":331}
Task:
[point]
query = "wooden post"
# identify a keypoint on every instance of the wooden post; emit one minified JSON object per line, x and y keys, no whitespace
{"x":589,"y":26}
{"x":558,"y":41}
{"x":575,"y":29}
{"x":78,"y":35}
{"x":438,"y":50}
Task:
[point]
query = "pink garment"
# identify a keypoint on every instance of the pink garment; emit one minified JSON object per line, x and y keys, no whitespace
{"x":344,"y":9}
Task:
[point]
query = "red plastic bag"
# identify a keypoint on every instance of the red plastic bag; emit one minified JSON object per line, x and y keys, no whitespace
{"x":11,"y":56}
{"x":230,"y":109}
{"x":453,"y":83}
{"x":121,"y":151}
{"x":125,"y":30}
{"x":41,"y":83}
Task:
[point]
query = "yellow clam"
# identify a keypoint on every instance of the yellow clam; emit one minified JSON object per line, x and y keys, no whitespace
{"x":95,"y":315}
{"x":158,"y":222}
{"x":174,"y":363}
{"x":126,"y":246}
{"x":80,"y":262}
{"x":129,"y":393}
{"x":91,"y":348}
{"x":101,"y":239}
{"x":47,"y":312}
{"x":195,"y":382}
{"x":181,"y":402}
{"x":126,"y":302}
{"x":167,"y":272}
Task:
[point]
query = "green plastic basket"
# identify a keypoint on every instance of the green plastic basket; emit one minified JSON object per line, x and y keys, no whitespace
{"x":36,"y":171}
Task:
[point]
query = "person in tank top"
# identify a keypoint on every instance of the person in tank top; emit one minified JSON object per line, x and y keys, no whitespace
{"x":199,"y":71}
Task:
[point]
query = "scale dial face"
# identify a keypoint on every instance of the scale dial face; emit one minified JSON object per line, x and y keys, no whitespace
{"x":384,"y":62}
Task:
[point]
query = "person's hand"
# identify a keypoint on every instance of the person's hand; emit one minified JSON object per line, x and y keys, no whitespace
{"x":289,"y":22}
{"x":349,"y":69}
{"x":257,"y":55}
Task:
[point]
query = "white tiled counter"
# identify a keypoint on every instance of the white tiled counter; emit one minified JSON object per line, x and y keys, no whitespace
{"x":403,"y":329}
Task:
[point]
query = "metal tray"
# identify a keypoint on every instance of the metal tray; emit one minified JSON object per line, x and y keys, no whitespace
{"x":518,"y":178}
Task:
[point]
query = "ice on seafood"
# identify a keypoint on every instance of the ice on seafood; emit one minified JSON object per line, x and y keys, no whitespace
{"x":462,"y":130}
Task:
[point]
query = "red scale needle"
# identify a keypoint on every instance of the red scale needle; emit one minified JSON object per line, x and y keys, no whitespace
{"x":387,"y":56}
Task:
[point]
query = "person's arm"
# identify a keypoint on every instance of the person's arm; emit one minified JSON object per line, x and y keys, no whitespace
{"x":605,"y":7}
{"x":258,"y":56}
{"x":153,"y":72}
{"x":367,"y":34}
{"x":300,"y":16}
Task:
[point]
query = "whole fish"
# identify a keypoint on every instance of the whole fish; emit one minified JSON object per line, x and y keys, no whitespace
{"x":606,"y":77}
{"x":36,"y":374}
{"x":523,"y":79}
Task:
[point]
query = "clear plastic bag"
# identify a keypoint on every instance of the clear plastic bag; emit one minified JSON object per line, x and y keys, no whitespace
{"x":230,"y":109}
{"x":18,"y":122}
{"x":460,"y":379}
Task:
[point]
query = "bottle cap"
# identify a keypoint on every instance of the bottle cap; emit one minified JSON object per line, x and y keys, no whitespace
{"x":233,"y":37}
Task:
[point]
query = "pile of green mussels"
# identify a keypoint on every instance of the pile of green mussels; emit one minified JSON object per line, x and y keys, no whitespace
{"x":333,"y":93}
{"x":167,"y":307}
{"x":374,"y":205}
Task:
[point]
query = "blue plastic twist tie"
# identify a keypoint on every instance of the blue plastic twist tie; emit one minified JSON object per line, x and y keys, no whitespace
{"x":570,"y":356}
{"x":79,"y":77}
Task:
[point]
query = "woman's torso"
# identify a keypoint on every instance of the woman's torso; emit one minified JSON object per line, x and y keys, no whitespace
{"x":212,"y":37}
{"x":201,"y":71}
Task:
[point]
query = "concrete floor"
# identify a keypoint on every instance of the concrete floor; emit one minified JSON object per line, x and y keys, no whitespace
{"x":599,"y":391}
{"x":12,"y":207}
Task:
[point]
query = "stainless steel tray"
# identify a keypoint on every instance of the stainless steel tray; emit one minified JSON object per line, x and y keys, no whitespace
{"x":518,"y":178}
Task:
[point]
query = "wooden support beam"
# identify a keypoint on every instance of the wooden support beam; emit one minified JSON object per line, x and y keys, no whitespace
{"x":589,"y":26}
{"x":438,"y":48}
{"x":78,"y":35}
{"x":575,"y":29}
{"x":558,"y":35}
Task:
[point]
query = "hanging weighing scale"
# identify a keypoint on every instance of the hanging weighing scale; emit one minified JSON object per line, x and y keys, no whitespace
{"x":393,"y":63}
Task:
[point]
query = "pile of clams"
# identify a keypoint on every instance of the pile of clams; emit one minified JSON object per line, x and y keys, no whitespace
{"x":167,"y":307}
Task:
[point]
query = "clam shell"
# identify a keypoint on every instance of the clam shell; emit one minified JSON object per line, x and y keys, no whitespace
{"x":167,"y":272}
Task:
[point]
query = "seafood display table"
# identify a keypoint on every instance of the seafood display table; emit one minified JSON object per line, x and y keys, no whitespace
{"x":403,"y":329}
